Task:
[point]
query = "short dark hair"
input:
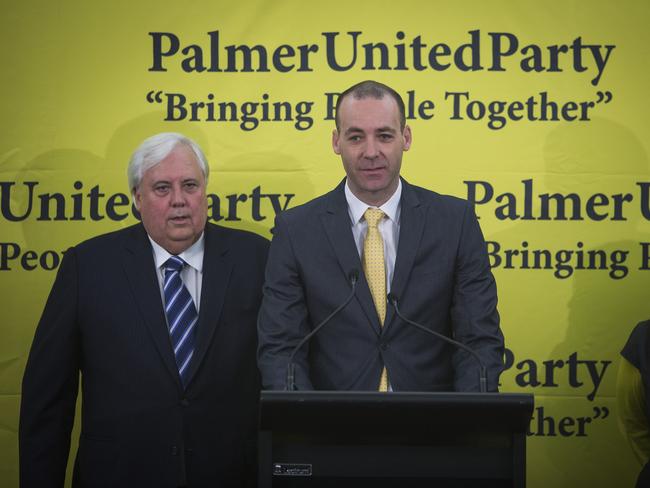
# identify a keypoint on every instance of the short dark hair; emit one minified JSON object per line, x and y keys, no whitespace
{"x":371,"y":89}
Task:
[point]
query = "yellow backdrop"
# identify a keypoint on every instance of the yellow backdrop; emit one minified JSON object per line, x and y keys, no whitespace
{"x":539,"y":113}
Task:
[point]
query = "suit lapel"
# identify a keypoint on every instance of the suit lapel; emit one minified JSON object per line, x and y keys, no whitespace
{"x":140,"y":270}
{"x":336,"y":221}
{"x":411,"y":227}
{"x":216,"y":275}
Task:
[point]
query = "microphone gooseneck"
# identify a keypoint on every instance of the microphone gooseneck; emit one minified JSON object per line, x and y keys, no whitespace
{"x":353,"y":277}
{"x":392,"y":299}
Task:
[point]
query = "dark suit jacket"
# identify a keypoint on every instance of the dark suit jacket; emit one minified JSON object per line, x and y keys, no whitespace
{"x":139,"y":428}
{"x":442,"y":279}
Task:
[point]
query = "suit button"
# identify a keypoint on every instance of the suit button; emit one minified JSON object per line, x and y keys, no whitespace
{"x":185,"y":402}
{"x":174,"y":450}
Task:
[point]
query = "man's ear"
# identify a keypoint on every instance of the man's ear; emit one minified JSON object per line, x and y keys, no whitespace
{"x":136,"y":198}
{"x":408,"y":137}
{"x":335,"y":141}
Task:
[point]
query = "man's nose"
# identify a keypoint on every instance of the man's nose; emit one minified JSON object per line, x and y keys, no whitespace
{"x":371,"y":149}
{"x":176,"y":196}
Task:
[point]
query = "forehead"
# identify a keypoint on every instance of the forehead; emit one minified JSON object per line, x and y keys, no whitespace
{"x":180,"y":163}
{"x":369,"y":113}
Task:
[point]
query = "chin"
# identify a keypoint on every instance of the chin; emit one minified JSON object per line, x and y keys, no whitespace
{"x":182,"y":237}
{"x":375,"y":188}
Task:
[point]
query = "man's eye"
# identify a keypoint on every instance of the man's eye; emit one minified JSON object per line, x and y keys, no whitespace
{"x":354,"y":138}
{"x":161,"y":189}
{"x":386,"y":137}
{"x":191,"y":185}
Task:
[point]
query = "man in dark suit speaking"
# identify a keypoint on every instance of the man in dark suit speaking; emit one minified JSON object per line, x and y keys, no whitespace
{"x":423,"y":248}
{"x":159,"y":318}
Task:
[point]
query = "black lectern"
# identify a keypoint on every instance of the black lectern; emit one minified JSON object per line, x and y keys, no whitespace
{"x":375,"y":439}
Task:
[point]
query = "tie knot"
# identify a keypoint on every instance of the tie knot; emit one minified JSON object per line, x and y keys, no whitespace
{"x":174,"y":263}
{"x":373,"y":216}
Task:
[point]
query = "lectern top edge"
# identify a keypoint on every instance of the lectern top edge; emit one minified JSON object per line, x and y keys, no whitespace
{"x":524,"y":400}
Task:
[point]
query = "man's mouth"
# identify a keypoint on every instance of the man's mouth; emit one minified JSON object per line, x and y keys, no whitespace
{"x":373,"y":170}
{"x":179,"y":218}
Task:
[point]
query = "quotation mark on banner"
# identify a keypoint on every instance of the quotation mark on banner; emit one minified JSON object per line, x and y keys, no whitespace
{"x":605,"y":97}
{"x":604,"y":411}
{"x":156,"y":96}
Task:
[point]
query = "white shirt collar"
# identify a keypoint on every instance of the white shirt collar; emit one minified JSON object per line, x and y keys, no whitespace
{"x":356,"y":208}
{"x":193,"y":255}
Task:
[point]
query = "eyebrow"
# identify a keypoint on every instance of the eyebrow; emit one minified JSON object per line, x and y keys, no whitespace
{"x":354,"y":130}
{"x":168,"y":182}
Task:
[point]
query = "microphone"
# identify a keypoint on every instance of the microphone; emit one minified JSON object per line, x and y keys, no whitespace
{"x":392,"y":299}
{"x":353,"y":277}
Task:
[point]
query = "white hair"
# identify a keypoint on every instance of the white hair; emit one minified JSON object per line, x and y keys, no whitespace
{"x":156,"y":148}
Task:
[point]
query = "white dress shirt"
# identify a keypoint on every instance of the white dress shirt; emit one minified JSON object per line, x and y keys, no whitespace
{"x":388,"y":227}
{"x":192,"y":274}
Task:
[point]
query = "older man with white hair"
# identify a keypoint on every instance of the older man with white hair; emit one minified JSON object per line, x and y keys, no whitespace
{"x":159,"y":319}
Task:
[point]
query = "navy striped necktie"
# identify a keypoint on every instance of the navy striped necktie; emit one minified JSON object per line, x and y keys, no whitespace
{"x":181,"y":315}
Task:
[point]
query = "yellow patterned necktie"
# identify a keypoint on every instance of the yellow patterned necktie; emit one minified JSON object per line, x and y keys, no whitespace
{"x":375,"y":269}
